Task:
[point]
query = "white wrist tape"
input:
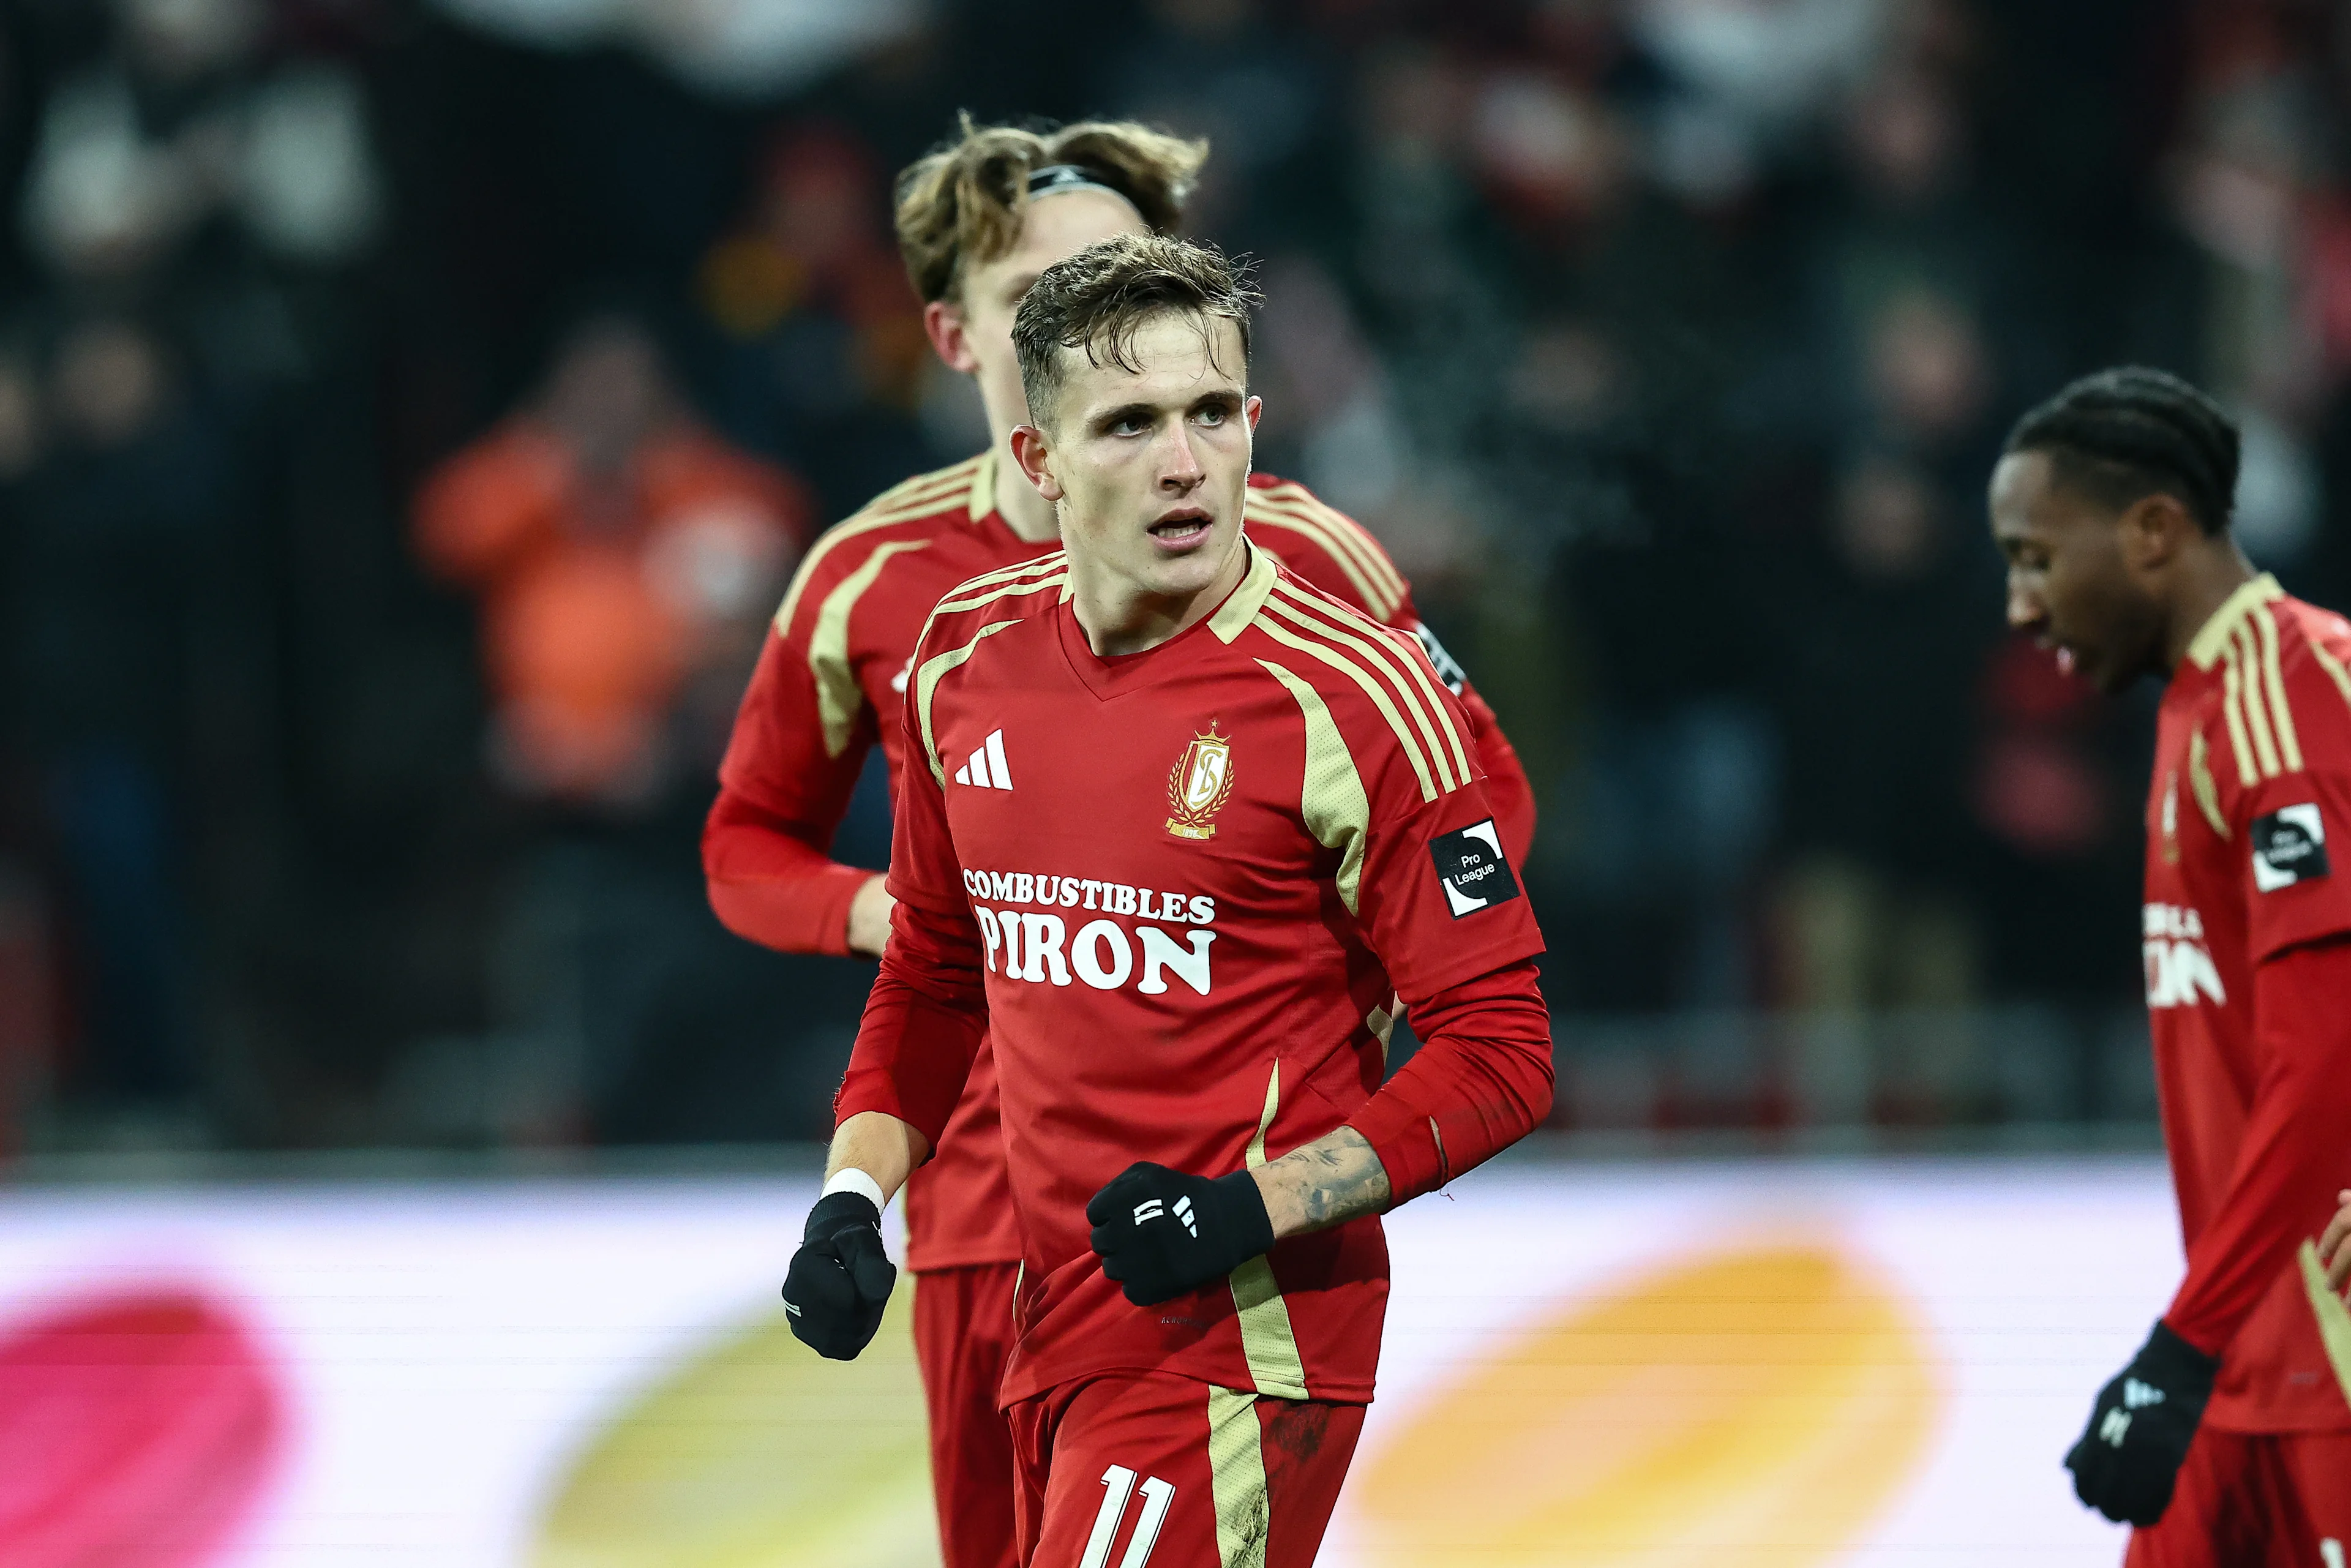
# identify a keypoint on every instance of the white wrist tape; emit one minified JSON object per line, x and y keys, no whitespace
{"x":852,"y":1179}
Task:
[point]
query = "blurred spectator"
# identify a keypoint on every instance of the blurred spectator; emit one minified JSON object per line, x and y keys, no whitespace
{"x":1666,"y":341}
{"x":119,"y":575}
{"x":821,"y":348}
{"x":184,"y":121}
{"x":622,"y":556}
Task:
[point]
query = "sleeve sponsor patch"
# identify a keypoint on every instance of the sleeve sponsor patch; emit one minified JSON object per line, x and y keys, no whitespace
{"x":1471,"y":869}
{"x":2289,"y":846}
{"x":1447,"y":671}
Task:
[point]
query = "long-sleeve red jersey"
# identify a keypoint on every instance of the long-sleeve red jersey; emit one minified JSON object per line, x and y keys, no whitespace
{"x":2248,"y":969}
{"x":828,"y":686}
{"x":1182,"y":891}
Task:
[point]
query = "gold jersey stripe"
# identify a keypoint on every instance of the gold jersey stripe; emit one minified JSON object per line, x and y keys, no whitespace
{"x":1382,"y":1021}
{"x":1300,"y":502}
{"x":1266,"y":517}
{"x":1237,"y":1478}
{"x":879,"y":513}
{"x":1254,"y":1155}
{"x":983,"y":487}
{"x":1371,"y":688}
{"x":2239,"y":747}
{"x":1342,"y":535}
{"x":2288,"y":744}
{"x":1267,"y":1341}
{"x":1056,"y":561}
{"x":925,"y":487}
{"x":2205,"y":648}
{"x":920,"y":498}
{"x":1332,"y":802}
{"x":1234,"y":615}
{"x":2334,"y":1321}
{"x":1403,"y":651}
{"x":926,"y":685}
{"x":2245,"y":662}
{"x":2201,"y":784}
{"x":2333,"y":666}
{"x":1357,"y":553}
{"x":923,"y":506}
{"x":838,"y":697}
{"x":1291,"y":611}
{"x":1385,"y":657}
{"x":1001,"y":591}
{"x":817,"y":553}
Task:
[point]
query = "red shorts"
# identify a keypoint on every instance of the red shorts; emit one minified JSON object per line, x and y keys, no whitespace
{"x":2279,"y":1500}
{"x":963,"y":1333}
{"x":1148,"y":1470}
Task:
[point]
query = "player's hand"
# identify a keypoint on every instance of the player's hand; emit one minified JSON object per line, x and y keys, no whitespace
{"x":1160,"y":1233}
{"x":839,"y":1279}
{"x":869,"y":917}
{"x":2332,"y":1252}
{"x":2139,"y":1429}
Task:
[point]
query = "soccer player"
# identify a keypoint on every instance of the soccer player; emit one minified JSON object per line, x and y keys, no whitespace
{"x":976,"y":221}
{"x":1175,"y":832}
{"x":2225,"y":1441}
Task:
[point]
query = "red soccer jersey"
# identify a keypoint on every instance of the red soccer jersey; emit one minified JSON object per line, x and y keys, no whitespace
{"x":2252,"y":768}
{"x":829,"y":685}
{"x":1193,"y":882}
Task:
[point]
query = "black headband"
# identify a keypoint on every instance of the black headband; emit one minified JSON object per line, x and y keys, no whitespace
{"x":1055,"y":178}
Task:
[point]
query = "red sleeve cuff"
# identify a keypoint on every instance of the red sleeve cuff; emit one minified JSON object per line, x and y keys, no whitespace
{"x":1481,"y":1081}
{"x":922,"y":1028}
{"x":803,"y":913}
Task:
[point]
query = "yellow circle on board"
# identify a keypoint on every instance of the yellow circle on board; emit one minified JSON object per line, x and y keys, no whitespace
{"x":1757,"y":1409}
{"x":759,"y":1454}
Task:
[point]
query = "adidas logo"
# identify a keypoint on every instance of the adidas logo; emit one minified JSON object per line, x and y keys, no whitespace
{"x":1152,"y":1208}
{"x":2114,"y":1428}
{"x":985,"y":769}
{"x":2138,"y":1395}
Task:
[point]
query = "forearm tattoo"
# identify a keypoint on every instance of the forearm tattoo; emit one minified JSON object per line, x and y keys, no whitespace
{"x":1333,"y":1179}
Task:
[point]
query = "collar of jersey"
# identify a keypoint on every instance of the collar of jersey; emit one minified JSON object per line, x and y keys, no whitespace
{"x":2204,"y":649}
{"x":1122,"y":672}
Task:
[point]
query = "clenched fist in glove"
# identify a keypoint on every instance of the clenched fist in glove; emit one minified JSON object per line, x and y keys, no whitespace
{"x":1160,"y":1233}
{"x":839,"y":1279}
{"x":2127,"y":1462}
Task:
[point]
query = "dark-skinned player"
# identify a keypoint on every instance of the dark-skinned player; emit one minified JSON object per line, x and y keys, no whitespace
{"x":2226,"y":1440}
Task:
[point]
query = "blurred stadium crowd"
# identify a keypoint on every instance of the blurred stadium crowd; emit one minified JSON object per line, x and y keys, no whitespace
{"x":410,"y":414}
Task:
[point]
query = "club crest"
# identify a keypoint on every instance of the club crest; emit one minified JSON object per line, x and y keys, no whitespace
{"x":1199,"y":784}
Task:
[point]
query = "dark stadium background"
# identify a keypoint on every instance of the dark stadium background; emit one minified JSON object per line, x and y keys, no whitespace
{"x":1665,"y":345}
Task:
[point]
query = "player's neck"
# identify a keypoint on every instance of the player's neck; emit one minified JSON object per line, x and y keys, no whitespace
{"x":1119,"y":620}
{"x":2209,"y":574}
{"x":1028,"y":514}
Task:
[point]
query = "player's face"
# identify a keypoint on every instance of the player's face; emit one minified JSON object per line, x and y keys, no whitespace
{"x":1151,"y":464}
{"x":975,"y":334}
{"x":2069,"y":583}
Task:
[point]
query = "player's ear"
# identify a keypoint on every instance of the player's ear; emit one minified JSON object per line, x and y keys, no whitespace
{"x":943,"y":324}
{"x":2154,"y":530}
{"x":1034,"y":453}
{"x":1252,"y":410}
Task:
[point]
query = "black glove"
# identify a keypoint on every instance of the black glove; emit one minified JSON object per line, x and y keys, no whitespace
{"x":1160,"y":1233}
{"x":839,"y":1279}
{"x":2139,"y":1429}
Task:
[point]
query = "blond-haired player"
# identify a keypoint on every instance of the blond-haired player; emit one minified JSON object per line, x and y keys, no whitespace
{"x":978,"y":221}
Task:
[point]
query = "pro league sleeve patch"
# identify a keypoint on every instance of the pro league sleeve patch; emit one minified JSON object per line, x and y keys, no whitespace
{"x":2289,"y":846}
{"x":1471,"y":870}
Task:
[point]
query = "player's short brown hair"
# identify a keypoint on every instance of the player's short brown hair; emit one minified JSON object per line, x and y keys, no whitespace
{"x":1098,"y":300}
{"x":960,"y":204}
